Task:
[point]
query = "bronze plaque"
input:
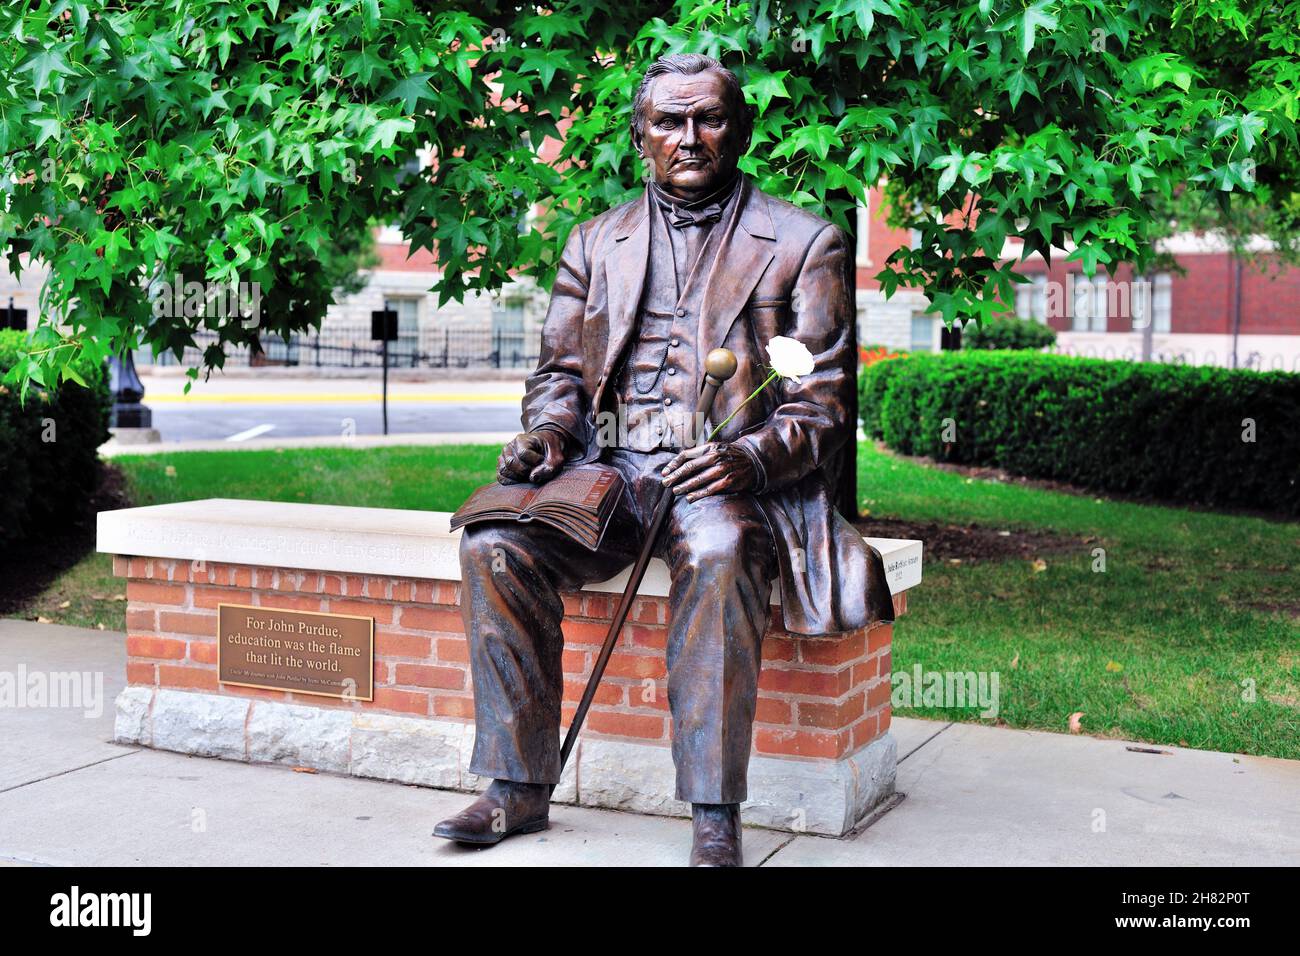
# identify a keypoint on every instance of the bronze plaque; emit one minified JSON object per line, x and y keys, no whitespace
{"x":332,"y":655}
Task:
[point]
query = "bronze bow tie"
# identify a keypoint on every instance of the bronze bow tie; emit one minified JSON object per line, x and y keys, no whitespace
{"x":682,"y":217}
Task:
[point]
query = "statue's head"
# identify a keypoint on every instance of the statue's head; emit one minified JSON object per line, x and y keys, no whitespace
{"x":690,"y":121}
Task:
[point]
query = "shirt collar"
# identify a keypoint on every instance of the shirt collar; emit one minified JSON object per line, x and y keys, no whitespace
{"x":720,"y":195}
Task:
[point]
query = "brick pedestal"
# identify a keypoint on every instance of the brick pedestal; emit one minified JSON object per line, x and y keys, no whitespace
{"x":822,"y":755}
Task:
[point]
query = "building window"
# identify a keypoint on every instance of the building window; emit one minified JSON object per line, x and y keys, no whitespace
{"x":864,"y":232}
{"x":1031,"y":299}
{"x":1089,"y":305}
{"x":508,"y":340}
{"x":408,"y":323}
{"x":1162,"y":304}
{"x":922,"y":333}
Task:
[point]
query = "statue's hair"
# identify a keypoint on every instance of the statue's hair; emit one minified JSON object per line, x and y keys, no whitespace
{"x":688,"y":64}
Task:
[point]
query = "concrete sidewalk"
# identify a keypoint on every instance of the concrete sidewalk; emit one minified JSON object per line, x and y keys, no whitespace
{"x":974,"y":795}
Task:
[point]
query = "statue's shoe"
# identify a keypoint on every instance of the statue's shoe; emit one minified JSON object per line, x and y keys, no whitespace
{"x":716,"y":834}
{"x":505,"y":809}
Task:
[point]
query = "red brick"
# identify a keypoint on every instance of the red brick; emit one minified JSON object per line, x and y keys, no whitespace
{"x":770,"y":710}
{"x":196,"y":678}
{"x":599,"y":606}
{"x":572,"y":602}
{"x":900,"y":604}
{"x":649,"y":611}
{"x":290,"y":602}
{"x":878,"y":695}
{"x":433,"y":619}
{"x":865,"y":671}
{"x":831,"y":716}
{"x":448,"y":593}
{"x":242,"y":577}
{"x":797,"y":743}
{"x":575,"y":662}
{"x":178,"y":622}
{"x":866,"y":730}
{"x":332,"y":584}
{"x":405,"y":701}
{"x":637,"y":665}
{"x":402,"y":589}
{"x":160,"y":648}
{"x":778,"y":649}
{"x":289,"y":580}
{"x":880,"y":637}
{"x":147,"y":592}
{"x":391,"y":644}
{"x":627,"y":725}
{"x":425,"y":675}
{"x":211,"y":596}
{"x":652,"y":638}
{"x":141,"y":619}
{"x":831,"y":651}
{"x":810,"y":683}
{"x":636,"y":695}
{"x":382,"y":613}
{"x":585,"y":632}
{"x":203,"y":652}
{"x":447,"y":705}
{"x":121,"y":564}
{"x":141,"y":672}
{"x":606,"y":693}
{"x":423,"y":592}
{"x":379,"y":588}
{"x":452,"y":649}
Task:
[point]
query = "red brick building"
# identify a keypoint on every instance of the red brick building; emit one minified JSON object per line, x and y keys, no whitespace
{"x":1206,"y":315}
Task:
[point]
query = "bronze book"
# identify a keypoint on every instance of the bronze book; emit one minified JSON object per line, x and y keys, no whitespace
{"x":579,"y":501}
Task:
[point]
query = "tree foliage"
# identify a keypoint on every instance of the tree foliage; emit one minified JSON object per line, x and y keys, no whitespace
{"x":238,"y":140}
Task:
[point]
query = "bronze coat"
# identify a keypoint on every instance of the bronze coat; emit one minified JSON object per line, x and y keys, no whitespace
{"x":780,"y":270}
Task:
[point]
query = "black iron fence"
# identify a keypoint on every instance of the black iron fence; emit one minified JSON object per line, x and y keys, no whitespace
{"x":350,"y":346}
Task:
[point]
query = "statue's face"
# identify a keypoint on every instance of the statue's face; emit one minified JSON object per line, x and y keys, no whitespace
{"x":692,"y":134}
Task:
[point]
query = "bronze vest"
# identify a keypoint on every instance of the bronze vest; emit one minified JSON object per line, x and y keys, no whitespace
{"x":659,"y":381}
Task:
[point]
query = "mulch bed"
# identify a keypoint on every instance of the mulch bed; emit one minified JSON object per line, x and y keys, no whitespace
{"x":972,"y":543}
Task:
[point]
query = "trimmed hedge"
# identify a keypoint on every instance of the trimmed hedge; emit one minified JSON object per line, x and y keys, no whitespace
{"x":1167,"y":431}
{"x":1008,"y":332}
{"x":45,"y":485}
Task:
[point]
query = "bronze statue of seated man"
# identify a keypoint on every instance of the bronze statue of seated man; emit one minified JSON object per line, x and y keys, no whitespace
{"x":701,"y":259}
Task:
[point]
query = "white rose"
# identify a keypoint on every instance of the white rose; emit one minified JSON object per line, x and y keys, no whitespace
{"x":790,"y":357}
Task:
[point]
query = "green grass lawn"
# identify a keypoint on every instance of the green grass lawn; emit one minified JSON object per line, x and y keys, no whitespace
{"x":1190,"y":636}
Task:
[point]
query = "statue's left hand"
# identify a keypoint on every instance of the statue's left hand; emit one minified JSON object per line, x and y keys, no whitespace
{"x":714,"y":468}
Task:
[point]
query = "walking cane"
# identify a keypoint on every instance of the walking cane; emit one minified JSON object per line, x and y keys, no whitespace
{"x":719,"y":365}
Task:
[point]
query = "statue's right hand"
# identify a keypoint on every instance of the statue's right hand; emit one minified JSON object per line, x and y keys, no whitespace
{"x":535,"y":456}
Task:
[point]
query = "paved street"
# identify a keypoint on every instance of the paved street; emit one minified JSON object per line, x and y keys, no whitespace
{"x":250,"y":408}
{"x":244,"y":422}
{"x":973,"y":795}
